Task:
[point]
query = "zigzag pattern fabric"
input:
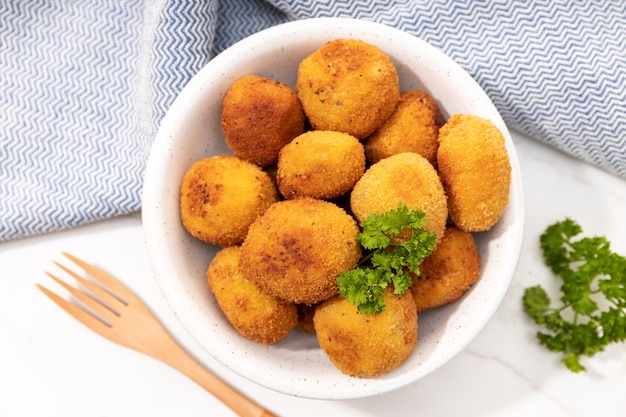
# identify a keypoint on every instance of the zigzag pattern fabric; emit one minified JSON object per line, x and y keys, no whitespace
{"x":83,"y":85}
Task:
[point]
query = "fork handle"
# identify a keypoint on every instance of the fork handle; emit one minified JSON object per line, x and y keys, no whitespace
{"x":179,"y":359}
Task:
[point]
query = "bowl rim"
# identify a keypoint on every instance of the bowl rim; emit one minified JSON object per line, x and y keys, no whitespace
{"x":155,"y":229}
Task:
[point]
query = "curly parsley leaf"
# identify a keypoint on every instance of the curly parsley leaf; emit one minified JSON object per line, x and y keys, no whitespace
{"x":398,"y":244}
{"x":592,"y":310}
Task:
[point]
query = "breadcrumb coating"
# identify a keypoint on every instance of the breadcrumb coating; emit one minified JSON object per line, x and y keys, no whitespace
{"x":413,"y":127}
{"x":260,"y":116}
{"x":252,"y":312}
{"x":320,"y":164}
{"x":298,"y":247}
{"x":367,"y":345}
{"x":348,"y":85}
{"x":475,"y":170}
{"x":448,"y":272}
{"x":402,"y":178}
{"x":221,"y":196}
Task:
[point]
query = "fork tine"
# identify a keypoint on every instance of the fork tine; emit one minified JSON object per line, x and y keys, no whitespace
{"x":139,"y":329}
{"x":109,"y":299}
{"x":77,"y":312}
{"x":115,"y":286}
{"x":100,"y":309}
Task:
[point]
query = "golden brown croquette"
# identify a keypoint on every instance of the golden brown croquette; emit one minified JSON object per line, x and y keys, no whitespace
{"x":448,"y":272}
{"x":221,"y":196}
{"x":259,"y":117}
{"x":348,"y":85}
{"x":320,"y":164}
{"x":367,"y":345}
{"x":252,"y":312}
{"x":413,"y":127}
{"x":475,"y":170}
{"x":402,"y":178}
{"x":297,"y":247}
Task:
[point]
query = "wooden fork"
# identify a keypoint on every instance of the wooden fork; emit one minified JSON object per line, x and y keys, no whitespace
{"x":125,"y":319}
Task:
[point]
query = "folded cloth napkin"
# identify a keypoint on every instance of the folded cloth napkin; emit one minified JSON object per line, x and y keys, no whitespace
{"x":84,"y":84}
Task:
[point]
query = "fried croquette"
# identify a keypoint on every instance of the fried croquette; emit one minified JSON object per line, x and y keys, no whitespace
{"x":348,"y":85}
{"x":452,"y":268}
{"x":367,"y":345}
{"x":413,"y":127}
{"x":475,"y":171}
{"x":297,"y":247}
{"x":260,"y":116}
{"x":320,"y":164}
{"x":407,"y":178}
{"x":221,"y":196}
{"x":252,"y":312}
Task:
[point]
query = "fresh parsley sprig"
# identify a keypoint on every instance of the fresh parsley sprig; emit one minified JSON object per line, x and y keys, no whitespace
{"x":592,"y":313}
{"x":396,"y":243}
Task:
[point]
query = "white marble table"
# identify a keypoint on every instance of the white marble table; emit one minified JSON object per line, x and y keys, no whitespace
{"x":52,"y":366}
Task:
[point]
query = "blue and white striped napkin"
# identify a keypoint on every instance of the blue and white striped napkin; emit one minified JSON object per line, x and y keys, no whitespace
{"x":84,"y":84}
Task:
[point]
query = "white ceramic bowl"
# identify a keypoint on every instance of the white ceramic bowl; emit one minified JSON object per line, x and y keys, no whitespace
{"x":191,"y":130}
